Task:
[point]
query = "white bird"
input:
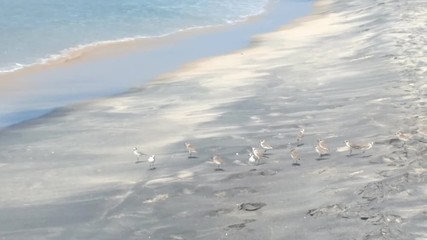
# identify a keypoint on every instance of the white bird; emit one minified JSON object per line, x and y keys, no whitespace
{"x":322,"y":147}
{"x":258,"y":152}
{"x":404,"y":137}
{"x":253,"y":159}
{"x":265,"y":145}
{"x":322,"y":143}
{"x":300,"y":135}
{"x":218,"y":161}
{"x":151,"y":160}
{"x":361,"y":147}
{"x":191,"y":149}
{"x":295,"y":155}
{"x":321,"y":151}
{"x":138,"y":154}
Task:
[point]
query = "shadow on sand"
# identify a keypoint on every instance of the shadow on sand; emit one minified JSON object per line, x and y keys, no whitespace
{"x":351,"y":155}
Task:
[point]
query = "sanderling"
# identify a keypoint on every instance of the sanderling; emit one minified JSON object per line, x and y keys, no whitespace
{"x":322,"y":143}
{"x":322,"y":148}
{"x":138,"y":154}
{"x":361,"y":147}
{"x":258,"y":152}
{"x":366,"y":147}
{"x":218,"y":161}
{"x":253,"y":159}
{"x":404,"y":137}
{"x":300,"y":135}
{"x":265,"y":145}
{"x":151,"y":160}
{"x":191,"y":149}
{"x":295,"y":156}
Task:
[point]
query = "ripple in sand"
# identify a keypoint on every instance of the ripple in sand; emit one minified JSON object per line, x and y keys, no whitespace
{"x":239,"y":226}
{"x":333,"y":209}
{"x":157,"y":198}
{"x":219,"y":212}
{"x":251,"y":206}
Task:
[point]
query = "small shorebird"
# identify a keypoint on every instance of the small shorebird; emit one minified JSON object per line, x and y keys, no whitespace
{"x":151,"y":160}
{"x":138,"y":154}
{"x":253,"y":159}
{"x":258,"y":152}
{"x":218,"y":161}
{"x":191,"y":149}
{"x":322,"y":148}
{"x":404,"y":137}
{"x":265,"y":145}
{"x":300,"y":135}
{"x":361,"y":147}
{"x":295,"y":155}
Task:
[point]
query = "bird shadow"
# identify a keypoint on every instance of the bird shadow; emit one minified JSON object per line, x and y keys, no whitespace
{"x":321,"y":158}
{"x":253,"y":170}
{"x":296,"y":164}
{"x":260,"y":163}
{"x":351,"y":155}
{"x":139,"y":161}
{"x":219,"y":170}
{"x":190,"y":157}
{"x":151,"y":169}
{"x":365,"y":156}
{"x":300,"y":144}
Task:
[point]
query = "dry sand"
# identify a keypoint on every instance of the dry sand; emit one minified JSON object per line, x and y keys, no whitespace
{"x":355,"y":70}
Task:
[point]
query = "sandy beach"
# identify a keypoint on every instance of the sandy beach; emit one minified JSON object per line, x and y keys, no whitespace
{"x":352,"y":70}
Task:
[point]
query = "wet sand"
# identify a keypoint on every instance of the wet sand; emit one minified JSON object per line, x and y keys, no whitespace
{"x":352,"y":71}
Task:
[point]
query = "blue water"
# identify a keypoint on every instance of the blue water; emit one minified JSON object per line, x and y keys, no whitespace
{"x":33,"y":31}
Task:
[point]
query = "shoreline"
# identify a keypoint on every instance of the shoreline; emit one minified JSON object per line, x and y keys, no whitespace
{"x":109,"y":48}
{"x":318,"y":9}
{"x":150,"y":52}
{"x":122,"y":44}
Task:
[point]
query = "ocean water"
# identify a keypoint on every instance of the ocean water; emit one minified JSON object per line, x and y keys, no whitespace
{"x":36,"y":31}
